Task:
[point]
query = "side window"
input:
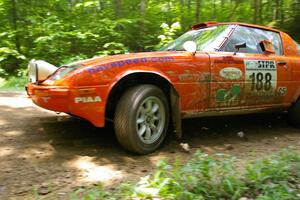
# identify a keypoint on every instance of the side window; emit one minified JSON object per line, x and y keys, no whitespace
{"x":242,"y":34}
{"x":271,"y":36}
{"x":253,"y":36}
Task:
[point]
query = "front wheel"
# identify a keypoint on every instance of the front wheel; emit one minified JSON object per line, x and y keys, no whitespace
{"x":141,"y":119}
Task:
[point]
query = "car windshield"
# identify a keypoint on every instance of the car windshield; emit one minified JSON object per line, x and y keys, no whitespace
{"x":207,"y":39}
{"x":63,"y":71}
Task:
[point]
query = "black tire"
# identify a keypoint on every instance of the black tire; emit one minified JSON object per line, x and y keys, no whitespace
{"x":130,"y":109}
{"x":294,"y":114}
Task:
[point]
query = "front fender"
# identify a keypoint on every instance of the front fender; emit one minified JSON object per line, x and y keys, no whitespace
{"x":174,"y":96}
{"x":150,"y":70}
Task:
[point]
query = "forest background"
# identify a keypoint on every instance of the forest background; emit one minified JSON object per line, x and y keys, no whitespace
{"x":61,"y":31}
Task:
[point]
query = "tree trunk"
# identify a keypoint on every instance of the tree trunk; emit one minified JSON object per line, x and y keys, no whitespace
{"x":14,"y":26}
{"x":282,"y":14}
{"x":260,"y":16}
{"x":14,"y":21}
{"x":101,"y":4}
{"x":70,"y":4}
{"x":198,"y":11}
{"x":143,"y":7}
{"x":189,"y":5}
{"x":233,"y":10}
{"x":182,"y":13}
{"x":222,"y":3}
{"x":276,"y":10}
{"x":214,"y":10}
{"x":118,"y":8}
{"x":255,"y":7}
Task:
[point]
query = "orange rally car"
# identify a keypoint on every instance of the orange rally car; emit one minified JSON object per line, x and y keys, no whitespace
{"x":213,"y":69}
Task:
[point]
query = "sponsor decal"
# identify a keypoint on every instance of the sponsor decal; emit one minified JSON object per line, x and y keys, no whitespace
{"x":231,"y":73}
{"x":123,"y":63}
{"x":260,"y":78}
{"x":231,"y":95}
{"x":281,"y":91}
{"x":46,"y":99}
{"x":87,"y":99}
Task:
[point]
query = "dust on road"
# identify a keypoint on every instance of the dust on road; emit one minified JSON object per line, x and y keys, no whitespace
{"x":53,"y":154}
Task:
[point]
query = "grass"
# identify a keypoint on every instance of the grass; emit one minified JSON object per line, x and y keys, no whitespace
{"x":212,"y":177}
{"x":13,"y":83}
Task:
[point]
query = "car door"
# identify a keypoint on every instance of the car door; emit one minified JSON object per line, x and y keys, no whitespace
{"x":227,"y":80}
{"x":268,"y":74}
{"x":264,"y":76}
{"x":267,"y":78}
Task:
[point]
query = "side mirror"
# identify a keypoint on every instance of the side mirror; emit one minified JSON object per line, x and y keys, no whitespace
{"x":240,"y":46}
{"x":267,"y":47}
{"x":190,"y":46}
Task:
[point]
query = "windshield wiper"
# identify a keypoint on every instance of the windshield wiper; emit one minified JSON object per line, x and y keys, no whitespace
{"x":171,"y":49}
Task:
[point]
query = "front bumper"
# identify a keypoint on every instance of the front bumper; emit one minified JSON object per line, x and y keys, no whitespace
{"x":49,"y":97}
{"x":64,"y":99}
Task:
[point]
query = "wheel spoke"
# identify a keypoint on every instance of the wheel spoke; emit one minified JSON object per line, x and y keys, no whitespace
{"x":148,"y":106}
{"x":150,"y":120}
{"x":153,"y":127}
{"x":140,"y":120}
{"x":143,"y":110}
{"x":156,"y":118}
{"x":142,"y":130}
{"x":148,"y":133}
{"x":155,"y":108}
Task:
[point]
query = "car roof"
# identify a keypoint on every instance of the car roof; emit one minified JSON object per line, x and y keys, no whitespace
{"x":210,"y":24}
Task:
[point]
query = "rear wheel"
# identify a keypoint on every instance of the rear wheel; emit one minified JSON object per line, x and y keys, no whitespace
{"x":141,"y":119}
{"x":294,"y":114}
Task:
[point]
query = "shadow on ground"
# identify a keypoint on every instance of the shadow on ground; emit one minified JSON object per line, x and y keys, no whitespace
{"x":41,"y":150}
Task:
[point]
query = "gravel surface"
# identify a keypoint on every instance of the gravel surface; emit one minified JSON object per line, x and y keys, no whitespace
{"x":51,"y":154}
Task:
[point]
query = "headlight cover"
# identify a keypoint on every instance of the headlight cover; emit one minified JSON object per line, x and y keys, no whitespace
{"x":39,"y":70}
{"x":32,"y":71}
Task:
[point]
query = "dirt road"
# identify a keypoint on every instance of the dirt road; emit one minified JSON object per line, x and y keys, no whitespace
{"x":53,"y":154}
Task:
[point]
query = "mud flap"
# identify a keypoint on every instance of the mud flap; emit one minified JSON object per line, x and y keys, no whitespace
{"x":176,"y":117}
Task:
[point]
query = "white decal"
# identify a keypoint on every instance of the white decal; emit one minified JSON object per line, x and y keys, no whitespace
{"x":87,"y":99}
{"x":231,"y":73}
{"x":46,"y":99}
{"x":260,"y":79}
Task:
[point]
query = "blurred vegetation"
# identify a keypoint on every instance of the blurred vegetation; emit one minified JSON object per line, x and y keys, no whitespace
{"x":14,"y":83}
{"x":61,"y":31}
{"x":212,"y":177}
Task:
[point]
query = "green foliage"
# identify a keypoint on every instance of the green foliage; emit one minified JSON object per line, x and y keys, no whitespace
{"x":213,"y":177}
{"x":89,"y":194}
{"x":87,"y":4}
{"x":112,"y":48}
{"x":16,"y":83}
{"x":7,"y":57}
{"x":276,"y":177}
{"x":203,"y":177}
{"x":62,"y":31}
{"x":6,"y":52}
{"x":169,"y":33}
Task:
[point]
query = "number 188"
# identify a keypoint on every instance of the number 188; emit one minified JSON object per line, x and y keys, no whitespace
{"x":261,"y":81}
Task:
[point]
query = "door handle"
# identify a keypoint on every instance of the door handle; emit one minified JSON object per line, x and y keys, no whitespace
{"x":281,"y":63}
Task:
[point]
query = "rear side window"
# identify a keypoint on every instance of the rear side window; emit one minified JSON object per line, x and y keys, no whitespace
{"x":253,"y":36}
